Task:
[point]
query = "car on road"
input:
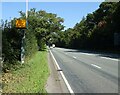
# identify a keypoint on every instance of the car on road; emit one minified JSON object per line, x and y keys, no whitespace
{"x":53,"y":45}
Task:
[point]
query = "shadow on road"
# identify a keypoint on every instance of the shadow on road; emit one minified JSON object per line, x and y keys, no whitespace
{"x":97,"y":53}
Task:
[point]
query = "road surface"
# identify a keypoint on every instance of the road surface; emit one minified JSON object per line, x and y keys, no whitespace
{"x":88,"y":72}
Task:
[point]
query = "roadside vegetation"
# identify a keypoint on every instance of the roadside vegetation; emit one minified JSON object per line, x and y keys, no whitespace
{"x":98,"y":31}
{"x":30,"y":77}
{"x":41,"y":25}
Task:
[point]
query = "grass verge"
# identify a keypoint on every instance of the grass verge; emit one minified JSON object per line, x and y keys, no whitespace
{"x":31,"y":77}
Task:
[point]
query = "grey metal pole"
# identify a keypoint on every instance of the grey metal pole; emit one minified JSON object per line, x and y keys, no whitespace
{"x":22,"y":47}
{"x":26,"y":9}
{"x":23,"y":38}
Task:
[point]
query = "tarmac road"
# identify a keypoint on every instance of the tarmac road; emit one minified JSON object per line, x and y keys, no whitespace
{"x":88,"y":72}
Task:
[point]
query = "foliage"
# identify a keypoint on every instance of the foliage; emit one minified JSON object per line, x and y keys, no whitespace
{"x":10,"y":43}
{"x":95,"y":31}
{"x":28,"y":78}
{"x":40,"y":26}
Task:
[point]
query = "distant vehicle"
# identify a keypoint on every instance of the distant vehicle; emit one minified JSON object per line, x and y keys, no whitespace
{"x":53,"y":45}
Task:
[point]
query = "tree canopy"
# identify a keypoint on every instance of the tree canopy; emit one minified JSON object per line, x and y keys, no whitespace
{"x":95,"y":31}
{"x":40,"y":26}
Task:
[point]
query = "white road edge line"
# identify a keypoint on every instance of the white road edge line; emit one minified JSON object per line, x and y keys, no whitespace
{"x":63,"y":76}
{"x":96,"y":66}
{"x":110,"y":58}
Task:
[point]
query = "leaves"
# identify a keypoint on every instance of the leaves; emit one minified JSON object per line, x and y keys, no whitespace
{"x":96,"y":30}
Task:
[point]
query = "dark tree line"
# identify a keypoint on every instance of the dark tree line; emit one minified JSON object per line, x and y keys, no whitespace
{"x":95,"y":31}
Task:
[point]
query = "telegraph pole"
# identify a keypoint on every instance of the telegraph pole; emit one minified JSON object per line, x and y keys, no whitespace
{"x":22,"y":47}
{"x":23,"y":39}
{"x":26,"y":10}
{"x":23,"y":24}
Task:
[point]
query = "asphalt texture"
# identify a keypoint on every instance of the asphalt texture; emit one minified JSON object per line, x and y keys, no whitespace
{"x":55,"y":84}
{"x":88,"y":72}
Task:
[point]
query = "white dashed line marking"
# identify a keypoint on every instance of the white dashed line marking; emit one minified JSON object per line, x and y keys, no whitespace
{"x":74,"y":57}
{"x":96,"y":66}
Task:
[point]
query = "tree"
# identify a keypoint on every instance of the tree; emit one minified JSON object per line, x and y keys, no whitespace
{"x":96,"y":30}
{"x":41,"y":26}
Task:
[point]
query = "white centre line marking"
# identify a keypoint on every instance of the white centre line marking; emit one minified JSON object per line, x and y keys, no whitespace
{"x":74,"y":57}
{"x":87,"y":54}
{"x":96,"y":66}
{"x":100,"y":57}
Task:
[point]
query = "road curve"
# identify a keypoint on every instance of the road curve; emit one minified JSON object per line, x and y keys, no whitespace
{"x":88,"y":72}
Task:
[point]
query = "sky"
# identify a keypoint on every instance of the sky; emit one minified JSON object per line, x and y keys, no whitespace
{"x":72,"y":12}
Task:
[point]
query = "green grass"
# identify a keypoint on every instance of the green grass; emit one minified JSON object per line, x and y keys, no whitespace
{"x":30,"y":78}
